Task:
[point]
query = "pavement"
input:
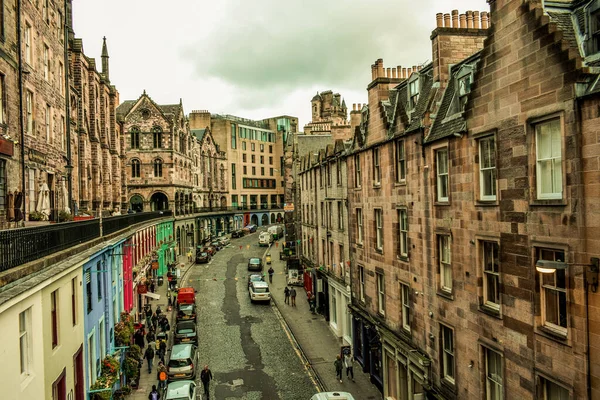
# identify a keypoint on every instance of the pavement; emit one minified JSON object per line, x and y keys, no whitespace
{"x":315,"y":339}
{"x":146,"y":379}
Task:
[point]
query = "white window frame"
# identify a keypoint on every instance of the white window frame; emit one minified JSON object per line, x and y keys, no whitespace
{"x":379,"y":229}
{"x":494,"y":374}
{"x":557,"y":292}
{"x":448,"y":356}
{"x":490,"y":249}
{"x":102,"y":337}
{"x":405,"y":299}
{"x":381,"y":293}
{"x":93,"y":375}
{"x":61,"y":78}
{"x":400,"y":161}
{"x":28,"y":46}
{"x":376,"y":167}
{"x":413,"y":92}
{"x":359,"y":224}
{"x":553,"y":391}
{"x":29,"y":110}
{"x":443,"y":178}
{"x":25,"y":350}
{"x":554,"y":160}
{"x":487,"y":171}
{"x":46,"y":62}
{"x":48,"y":121}
{"x":403,"y":232}
{"x":445,"y":262}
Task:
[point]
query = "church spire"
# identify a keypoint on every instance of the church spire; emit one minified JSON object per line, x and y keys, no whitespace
{"x":104,"y":59}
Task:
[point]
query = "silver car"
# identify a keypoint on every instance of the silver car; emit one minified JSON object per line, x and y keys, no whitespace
{"x":181,"y":390}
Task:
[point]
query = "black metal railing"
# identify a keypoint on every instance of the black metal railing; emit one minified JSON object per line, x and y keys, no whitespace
{"x":22,"y":245}
{"x":199,"y":210}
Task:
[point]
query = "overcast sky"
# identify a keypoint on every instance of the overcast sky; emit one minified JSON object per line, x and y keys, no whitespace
{"x":256,"y":58}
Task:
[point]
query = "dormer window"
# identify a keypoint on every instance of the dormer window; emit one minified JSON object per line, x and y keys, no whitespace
{"x":413,"y":92}
{"x":464,"y":88}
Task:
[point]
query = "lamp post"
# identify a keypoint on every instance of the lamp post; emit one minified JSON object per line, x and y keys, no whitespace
{"x":590,"y":281}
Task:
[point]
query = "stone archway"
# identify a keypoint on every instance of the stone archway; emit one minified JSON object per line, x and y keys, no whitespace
{"x":279,"y":218}
{"x":264,"y":220}
{"x":159,"y":202}
{"x":273,"y":218}
{"x":254,"y":220}
{"x":223,"y":201}
{"x":136,"y":203}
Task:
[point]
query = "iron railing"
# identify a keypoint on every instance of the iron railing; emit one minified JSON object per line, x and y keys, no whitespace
{"x":274,"y":207}
{"x":22,"y":245}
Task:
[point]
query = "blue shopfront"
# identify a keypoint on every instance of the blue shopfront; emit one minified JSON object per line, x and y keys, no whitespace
{"x":367,"y":346}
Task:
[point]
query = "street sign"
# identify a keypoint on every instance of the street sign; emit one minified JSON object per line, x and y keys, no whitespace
{"x":288,"y":207}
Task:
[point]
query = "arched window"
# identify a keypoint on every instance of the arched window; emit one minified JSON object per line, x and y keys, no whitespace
{"x":135,"y":168}
{"x":158,"y":168}
{"x":157,"y":137}
{"x":135,"y":138}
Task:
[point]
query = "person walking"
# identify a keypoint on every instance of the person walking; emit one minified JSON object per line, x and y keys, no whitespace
{"x":152,"y":286}
{"x":271,"y":272}
{"x":312,"y":302}
{"x":349,"y":364}
{"x":338,"y":367}
{"x":206,"y":377}
{"x":148,"y":308}
{"x":154,"y":395}
{"x":154,"y":320}
{"x":161,"y":375}
{"x":149,"y":356}
{"x":150,"y":336}
{"x":293,"y":296}
{"x":138,"y":338}
{"x":286,"y":292}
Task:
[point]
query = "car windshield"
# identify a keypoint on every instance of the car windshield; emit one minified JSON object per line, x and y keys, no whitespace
{"x":186,"y":328}
{"x":178,"y":363}
{"x":254,"y":261}
{"x":187,"y":309}
{"x":255,"y":278}
{"x":203,"y":254}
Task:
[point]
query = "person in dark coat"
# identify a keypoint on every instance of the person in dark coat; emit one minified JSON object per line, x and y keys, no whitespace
{"x":206,"y":377}
{"x":286,"y":292}
{"x":149,"y":356}
{"x":138,"y":338}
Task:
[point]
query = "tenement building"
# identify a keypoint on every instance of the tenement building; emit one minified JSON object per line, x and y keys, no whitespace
{"x":473,"y":186}
{"x":255,"y":162}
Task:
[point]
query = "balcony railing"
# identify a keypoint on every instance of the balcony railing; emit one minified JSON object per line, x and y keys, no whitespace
{"x":20,"y":246}
{"x":241,"y":207}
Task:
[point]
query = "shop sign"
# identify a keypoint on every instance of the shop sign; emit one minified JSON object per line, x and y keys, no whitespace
{"x":141,"y":289}
{"x":7,"y":147}
{"x":155,"y":265}
{"x":37,"y":156}
{"x":288,"y":207}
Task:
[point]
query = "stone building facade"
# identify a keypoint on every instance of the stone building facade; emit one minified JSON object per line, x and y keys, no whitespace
{"x":57,"y":156}
{"x":473,"y":182}
{"x":325,"y":242}
{"x":329,"y":116}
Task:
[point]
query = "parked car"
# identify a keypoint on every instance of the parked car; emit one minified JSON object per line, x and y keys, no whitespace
{"x":259,"y":291}
{"x":254,"y":278}
{"x":332,"y":396}
{"x":186,"y":295}
{"x":251,"y":228}
{"x":183,"y":362}
{"x":181,"y":390}
{"x":237,"y":234}
{"x":276,"y":231}
{"x":255,"y":264}
{"x":210,"y":250}
{"x":186,"y":312}
{"x":265,"y":239}
{"x":185,"y":332}
{"x":203,"y":257}
{"x":224,"y":240}
{"x":217,"y":244}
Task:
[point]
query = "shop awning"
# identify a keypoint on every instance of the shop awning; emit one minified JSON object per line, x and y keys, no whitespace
{"x":152,"y":295}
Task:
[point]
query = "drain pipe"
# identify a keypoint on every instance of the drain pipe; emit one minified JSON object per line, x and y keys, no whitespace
{"x":66,"y":69}
{"x":21,"y":124}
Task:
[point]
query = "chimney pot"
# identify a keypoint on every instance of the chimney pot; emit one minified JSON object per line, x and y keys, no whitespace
{"x":455,"y":18}
{"x":446,"y":20}
{"x":419,"y":67}
{"x":404,"y":73}
{"x":380,"y":69}
{"x":389,"y":73}
{"x":476,"y":19}
{"x":484,"y":20}
{"x":463,"y":21}
{"x":373,"y":72}
{"x":470,"y":19}
{"x":394,"y":73}
{"x":439,"y":20}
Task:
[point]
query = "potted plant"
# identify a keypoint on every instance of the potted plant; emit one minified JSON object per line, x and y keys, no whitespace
{"x":36,"y":216}
{"x":64,"y":216}
{"x":108,"y":377}
{"x":124,"y":330}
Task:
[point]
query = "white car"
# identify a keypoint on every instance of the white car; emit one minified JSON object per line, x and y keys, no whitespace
{"x":332,"y":396}
{"x":259,"y":291}
{"x":181,"y":390}
{"x":265,"y":239}
{"x":224,"y":240}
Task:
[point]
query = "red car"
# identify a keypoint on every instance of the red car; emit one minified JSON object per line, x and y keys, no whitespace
{"x":210,"y":250}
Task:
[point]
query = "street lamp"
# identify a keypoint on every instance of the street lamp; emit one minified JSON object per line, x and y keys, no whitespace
{"x":591,"y":276}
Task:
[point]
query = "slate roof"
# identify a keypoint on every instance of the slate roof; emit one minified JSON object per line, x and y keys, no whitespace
{"x":172,"y":109}
{"x":446,"y":122}
{"x":199,"y":133}
{"x":564,"y":21}
{"x":124,"y":108}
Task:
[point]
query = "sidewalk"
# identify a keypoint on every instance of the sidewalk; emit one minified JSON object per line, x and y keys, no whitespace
{"x":146,"y":379}
{"x":316,"y":340}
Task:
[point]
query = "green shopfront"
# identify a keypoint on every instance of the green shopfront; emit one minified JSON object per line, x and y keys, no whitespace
{"x":165,"y":242}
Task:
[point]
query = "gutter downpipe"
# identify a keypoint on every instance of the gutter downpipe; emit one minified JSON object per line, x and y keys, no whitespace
{"x":67,"y":69}
{"x":21,"y":123}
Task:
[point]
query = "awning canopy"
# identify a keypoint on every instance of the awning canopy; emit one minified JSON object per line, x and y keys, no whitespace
{"x":152,"y":295}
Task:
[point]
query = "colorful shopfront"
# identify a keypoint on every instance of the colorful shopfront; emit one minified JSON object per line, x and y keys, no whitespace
{"x":165,"y":245}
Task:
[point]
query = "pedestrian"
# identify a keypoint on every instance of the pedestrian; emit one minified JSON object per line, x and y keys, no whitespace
{"x":152,"y":287}
{"x":293,"y":296}
{"x":286,"y":292}
{"x":161,"y":375}
{"x":312,"y":302}
{"x":205,"y":377}
{"x":338,"y":367}
{"x":271,"y":272}
{"x":138,"y":338}
{"x":349,"y":363}
{"x":154,"y":395}
{"x":149,"y":355}
{"x":158,"y":311}
{"x":150,"y":337}
{"x":148,"y":308}
{"x":162,"y":350}
{"x":154,"y":320}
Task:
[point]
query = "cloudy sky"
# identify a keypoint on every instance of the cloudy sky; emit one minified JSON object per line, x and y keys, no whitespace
{"x":256,"y":58}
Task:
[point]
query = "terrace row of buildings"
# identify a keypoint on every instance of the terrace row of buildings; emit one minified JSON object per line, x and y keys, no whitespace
{"x":452,"y":238}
